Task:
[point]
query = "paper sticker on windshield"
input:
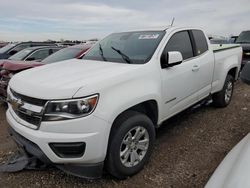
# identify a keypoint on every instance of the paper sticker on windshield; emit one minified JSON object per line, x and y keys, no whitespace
{"x":150,"y":36}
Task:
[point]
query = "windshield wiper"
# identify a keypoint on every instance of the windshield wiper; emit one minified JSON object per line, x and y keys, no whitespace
{"x":101,"y":52}
{"x":124,"y":56}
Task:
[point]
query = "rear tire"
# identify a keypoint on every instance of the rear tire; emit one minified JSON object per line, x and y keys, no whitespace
{"x":224,"y":97}
{"x":130,"y":144}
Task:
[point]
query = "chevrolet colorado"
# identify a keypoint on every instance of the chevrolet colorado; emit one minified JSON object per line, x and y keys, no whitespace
{"x":101,"y":111}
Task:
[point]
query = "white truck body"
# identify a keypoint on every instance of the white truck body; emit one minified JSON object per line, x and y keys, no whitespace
{"x":120,"y":86}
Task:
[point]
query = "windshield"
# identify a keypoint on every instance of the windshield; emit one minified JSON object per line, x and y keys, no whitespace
{"x":63,"y":54}
{"x":20,"y":55}
{"x":130,"y":47}
{"x":244,"y":37}
{"x":6,"y":48}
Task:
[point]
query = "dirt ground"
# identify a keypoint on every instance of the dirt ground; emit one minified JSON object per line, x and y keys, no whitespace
{"x":188,"y":149}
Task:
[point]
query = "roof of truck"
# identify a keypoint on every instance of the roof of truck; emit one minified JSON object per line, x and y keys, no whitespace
{"x":163,"y":28}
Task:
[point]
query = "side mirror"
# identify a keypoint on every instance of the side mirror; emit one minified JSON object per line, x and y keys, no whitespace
{"x":245,"y":73}
{"x":171,"y":59}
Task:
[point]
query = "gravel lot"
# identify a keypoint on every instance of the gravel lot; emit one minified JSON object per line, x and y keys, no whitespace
{"x":188,"y":149}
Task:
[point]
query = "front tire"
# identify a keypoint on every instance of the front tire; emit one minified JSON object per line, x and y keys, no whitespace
{"x":224,"y":97}
{"x":130,"y":145}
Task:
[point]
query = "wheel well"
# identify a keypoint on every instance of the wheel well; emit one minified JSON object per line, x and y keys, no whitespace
{"x":233,"y":72}
{"x":149,"y":108}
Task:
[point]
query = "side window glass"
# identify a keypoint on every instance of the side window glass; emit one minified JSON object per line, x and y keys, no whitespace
{"x":18,"y":48}
{"x":200,"y":42}
{"x":38,"y":55}
{"x":180,"y":42}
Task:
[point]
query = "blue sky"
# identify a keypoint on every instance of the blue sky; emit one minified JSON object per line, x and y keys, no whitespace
{"x":22,"y":20}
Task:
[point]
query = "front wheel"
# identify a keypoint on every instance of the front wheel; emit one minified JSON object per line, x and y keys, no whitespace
{"x":131,"y":144}
{"x":224,"y":97}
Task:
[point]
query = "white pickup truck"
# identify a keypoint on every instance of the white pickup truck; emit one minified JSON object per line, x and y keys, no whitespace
{"x":102,"y":110}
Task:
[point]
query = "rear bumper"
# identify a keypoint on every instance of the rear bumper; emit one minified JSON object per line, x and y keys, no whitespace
{"x":90,"y":171}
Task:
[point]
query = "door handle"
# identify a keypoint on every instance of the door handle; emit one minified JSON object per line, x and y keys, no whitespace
{"x":195,"y":68}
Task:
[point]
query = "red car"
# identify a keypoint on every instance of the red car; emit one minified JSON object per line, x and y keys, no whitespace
{"x":9,"y":67}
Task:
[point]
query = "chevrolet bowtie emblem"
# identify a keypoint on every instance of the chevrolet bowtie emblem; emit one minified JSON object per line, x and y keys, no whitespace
{"x":16,"y":103}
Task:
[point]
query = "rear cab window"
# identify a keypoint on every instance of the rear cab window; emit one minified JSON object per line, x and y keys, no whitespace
{"x":200,"y":42}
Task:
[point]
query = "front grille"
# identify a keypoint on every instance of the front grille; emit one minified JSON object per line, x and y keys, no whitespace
{"x":34,"y":120}
{"x":29,"y":115}
{"x":30,"y":100}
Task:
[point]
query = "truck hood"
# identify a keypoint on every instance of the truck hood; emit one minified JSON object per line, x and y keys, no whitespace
{"x":62,"y":80}
{"x":234,"y":170}
{"x":14,"y":66}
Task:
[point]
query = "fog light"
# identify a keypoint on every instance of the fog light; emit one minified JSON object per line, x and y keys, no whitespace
{"x":68,"y":150}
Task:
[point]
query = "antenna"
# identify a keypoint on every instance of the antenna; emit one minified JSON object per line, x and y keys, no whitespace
{"x":172,"y":23}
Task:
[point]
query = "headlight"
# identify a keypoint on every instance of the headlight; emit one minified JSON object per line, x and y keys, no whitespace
{"x":70,"y":109}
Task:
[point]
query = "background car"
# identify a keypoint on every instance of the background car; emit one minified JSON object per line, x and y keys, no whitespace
{"x":12,"y":48}
{"x":76,"y":51}
{"x":10,"y":67}
{"x":233,"y":39}
{"x":37,"y":53}
{"x":245,"y":73}
{"x":2,"y":44}
{"x":244,"y":41}
{"x":234,"y":170}
{"x":214,"y":39}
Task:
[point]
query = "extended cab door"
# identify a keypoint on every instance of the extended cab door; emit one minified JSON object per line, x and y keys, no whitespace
{"x":204,"y":60}
{"x":180,"y":83}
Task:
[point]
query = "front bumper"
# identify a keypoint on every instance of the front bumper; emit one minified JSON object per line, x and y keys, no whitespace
{"x":80,"y":170}
{"x":91,"y":130}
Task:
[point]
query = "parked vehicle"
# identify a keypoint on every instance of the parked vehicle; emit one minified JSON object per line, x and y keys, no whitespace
{"x":233,"y":39}
{"x":245,"y":73}
{"x":244,"y":41}
{"x":215,"y":39}
{"x":219,"y":41}
{"x":37,"y":53}
{"x":234,"y":170}
{"x":13,"y":48}
{"x":2,"y":44}
{"x":104,"y":108}
{"x":76,"y":51}
{"x":12,"y":66}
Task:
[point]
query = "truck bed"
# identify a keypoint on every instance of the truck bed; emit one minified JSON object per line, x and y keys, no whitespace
{"x":220,"y":47}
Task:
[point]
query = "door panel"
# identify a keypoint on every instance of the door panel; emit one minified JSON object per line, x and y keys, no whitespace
{"x":205,"y":62}
{"x":179,"y":86}
{"x":180,"y":83}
